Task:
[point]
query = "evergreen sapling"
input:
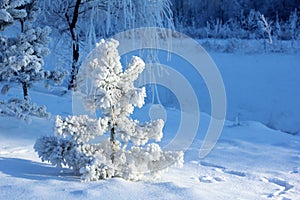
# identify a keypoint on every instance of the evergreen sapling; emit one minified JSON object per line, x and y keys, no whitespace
{"x":21,"y":58}
{"x":124,"y":150}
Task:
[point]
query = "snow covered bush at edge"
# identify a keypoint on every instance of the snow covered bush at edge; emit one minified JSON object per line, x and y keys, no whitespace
{"x":124,"y":149}
{"x":21,"y":58}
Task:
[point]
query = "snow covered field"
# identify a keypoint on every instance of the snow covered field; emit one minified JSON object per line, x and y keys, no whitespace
{"x":250,"y":160}
{"x":262,"y":87}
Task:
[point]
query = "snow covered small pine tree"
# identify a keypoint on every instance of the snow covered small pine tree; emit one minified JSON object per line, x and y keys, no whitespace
{"x":21,"y":57}
{"x":125,"y":150}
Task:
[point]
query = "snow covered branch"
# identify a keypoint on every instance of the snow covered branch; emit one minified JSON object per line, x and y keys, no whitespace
{"x":80,"y":128}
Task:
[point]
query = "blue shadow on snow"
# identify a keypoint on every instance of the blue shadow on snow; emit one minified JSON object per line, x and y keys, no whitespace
{"x":27,"y":169}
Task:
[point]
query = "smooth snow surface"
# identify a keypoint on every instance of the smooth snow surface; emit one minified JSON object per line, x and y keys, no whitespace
{"x":262,"y":87}
{"x":250,"y":161}
{"x":259,"y":87}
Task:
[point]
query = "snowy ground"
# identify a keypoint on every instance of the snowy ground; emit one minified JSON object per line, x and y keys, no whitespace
{"x":259,"y":87}
{"x":250,"y":160}
{"x":262,"y":87}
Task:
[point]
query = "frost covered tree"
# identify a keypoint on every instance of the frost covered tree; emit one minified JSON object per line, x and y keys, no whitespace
{"x":65,"y":16}
{"x":265,"y":30}
{"x":21,"y":57}
{"x":79,"y":23}
{"x":124,"y":150}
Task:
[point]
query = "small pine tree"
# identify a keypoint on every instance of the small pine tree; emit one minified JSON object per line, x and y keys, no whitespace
{"x":21,"y":58}
{"x":125,"y":152}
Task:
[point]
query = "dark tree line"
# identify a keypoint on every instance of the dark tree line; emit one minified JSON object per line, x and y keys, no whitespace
{"x":197,"y":13}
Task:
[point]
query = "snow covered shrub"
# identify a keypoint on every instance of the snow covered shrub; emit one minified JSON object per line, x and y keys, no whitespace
{"x":216,"y":29}
{"x":232,"y":45}
{"x":124,"y":149}
{"x":22,"y":109}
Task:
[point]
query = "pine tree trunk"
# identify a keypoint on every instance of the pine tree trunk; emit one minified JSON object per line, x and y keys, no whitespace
{"x":24,"y":84}
{"x":75,"y":46}
{"x":112,"y":134}
{"x":25,"y":91}
{"x":112,"y":142}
